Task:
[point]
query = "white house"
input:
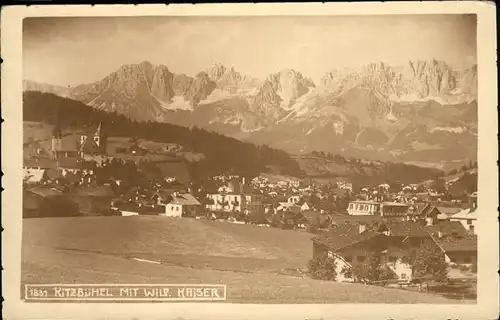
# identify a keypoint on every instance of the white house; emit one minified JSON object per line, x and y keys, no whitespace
{"x":293,"y":199}
{"x":235,"y":196}
{"x":361,"y":208}
{"x":34,"y":168}
{"x":468,"y":218}
{"x":181,"y":204}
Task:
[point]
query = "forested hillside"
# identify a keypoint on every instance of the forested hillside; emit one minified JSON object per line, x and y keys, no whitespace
{"x":222,"y":153}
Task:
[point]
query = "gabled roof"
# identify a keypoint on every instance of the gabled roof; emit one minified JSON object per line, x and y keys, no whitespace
{"x":448,"y":210}
{"x":348,"y":219}
{"x":90,"y":147}
{"x":422,"y":208}
{"x":184,"y":199}
{"x":344,"y":236}
{"x":302,"y":201}
{"x":447,"y":228}
{"x":46,"y":191}
{"x":406,"y":229}
{"x":457,"y":244}
{"x":465,"y":214}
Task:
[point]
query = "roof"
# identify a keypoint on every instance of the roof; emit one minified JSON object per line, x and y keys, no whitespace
{"x":70,"y":142}
{"x":458,"y":244}
{"x":365,"y":201}
{"x":343,"y":236}
{"x":301,"y":201}
{"x":395,"y":204}
{"x":89,"y":146}
{"x":100,"y":191}
{"x":185,"y":199}
{"x":421,"y":208}
{"x":465,"y":214}
{"x":342,"y":218}
{"x":447,"y":228}
{"x":406,"y":229}
{"x":45,"y":191}
{"x":448,"y":211}
{"x":69,"y":163}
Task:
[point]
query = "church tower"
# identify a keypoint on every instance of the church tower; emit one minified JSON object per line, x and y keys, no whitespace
{"x":97,"y":135}
{"x":56,"y":139}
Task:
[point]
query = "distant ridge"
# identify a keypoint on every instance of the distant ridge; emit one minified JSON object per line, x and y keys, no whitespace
{"x":416,"y":111}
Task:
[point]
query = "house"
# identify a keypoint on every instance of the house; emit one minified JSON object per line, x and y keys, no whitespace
{"x":288,"y":206}
{"x":67,"y":146}
{"x":433,"y":214}
{"x":363,"y":207}
{"x":353,"y":245}
{"x":459,"y":250}
{"x":293,"y":199}
{"x":72,"y":165}
{"x":304,"y":206}
{"x":468,"y":219}
{"x":384,"y":209}
{"x":342,"y":219}
{"x":34,"y":168}
{"x":163,"y":196}
{"x":394,"y":210}
{"x":182,"y":205}
{"x":236,"y":197}
{"x":446,"y":228}
{"x":349,"y":246}
{"x":93,"y":143}
{"x":45,"y":201}
{"x":444,"y":213}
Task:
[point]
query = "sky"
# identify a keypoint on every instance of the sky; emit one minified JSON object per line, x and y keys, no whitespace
{"x":77,"y":50}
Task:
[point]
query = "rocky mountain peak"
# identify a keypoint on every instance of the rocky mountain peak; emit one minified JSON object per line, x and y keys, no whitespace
{"x":289,"y":85}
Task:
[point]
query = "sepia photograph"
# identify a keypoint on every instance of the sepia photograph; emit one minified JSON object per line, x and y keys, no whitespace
{"x":251,"y":159}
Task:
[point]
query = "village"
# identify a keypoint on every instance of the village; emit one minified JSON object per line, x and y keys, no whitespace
{"x":370,"y":234}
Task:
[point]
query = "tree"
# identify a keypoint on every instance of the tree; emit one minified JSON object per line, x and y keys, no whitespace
{"x":257,"y":217}
{"x":429,"y":264}
{"x":276,"y":220}
{"x":315,"y":225}
{"x":438,"y":185}
{"x":323,"y":268}
{"x":370,"y":271}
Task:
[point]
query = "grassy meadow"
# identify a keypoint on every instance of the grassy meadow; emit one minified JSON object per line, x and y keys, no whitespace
{"x":252,"y":261}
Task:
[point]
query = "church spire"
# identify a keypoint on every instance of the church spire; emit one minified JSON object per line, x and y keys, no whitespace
{"x":98,"y":131}
{"x":57,"y":131}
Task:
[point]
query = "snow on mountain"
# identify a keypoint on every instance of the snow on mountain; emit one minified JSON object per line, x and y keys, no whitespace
{"x":414,"y":81}
{"x":398,"y":110}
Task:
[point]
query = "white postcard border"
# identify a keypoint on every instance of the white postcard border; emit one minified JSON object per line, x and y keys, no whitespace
{"x":488,"y":263}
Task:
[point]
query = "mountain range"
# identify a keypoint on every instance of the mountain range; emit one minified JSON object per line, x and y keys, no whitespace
{"x":421,"y":111}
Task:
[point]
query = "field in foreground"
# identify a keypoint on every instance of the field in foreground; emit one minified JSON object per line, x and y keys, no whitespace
{"x":250,"y":260}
